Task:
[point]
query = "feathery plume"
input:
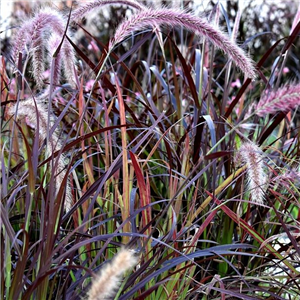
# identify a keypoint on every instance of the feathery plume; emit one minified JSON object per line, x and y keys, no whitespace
{"x":283,"y":99}
{"x":83,"y":10}
{"x":174,"y":17}
{"x":108,"y":281}
{"x":288,"y":177}
{"x":251,"y":155}
{"x":34,"y":34}
{"x":30,"y":110}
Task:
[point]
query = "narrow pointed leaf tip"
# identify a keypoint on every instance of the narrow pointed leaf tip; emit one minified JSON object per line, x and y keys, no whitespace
{"x":174,"y":17}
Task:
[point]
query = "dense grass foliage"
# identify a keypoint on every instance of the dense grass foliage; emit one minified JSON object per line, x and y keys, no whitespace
{"x":161,"y":155}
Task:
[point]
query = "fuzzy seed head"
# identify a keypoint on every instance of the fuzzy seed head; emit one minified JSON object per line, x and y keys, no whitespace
{"x":35,"y":113}
{"x":175,"y":17}
{"x":107,"y":282}
{"x":285,"y":179}
{"x":251,"y":155}
{"x":282,"y":100}
{"x":34,"y":35}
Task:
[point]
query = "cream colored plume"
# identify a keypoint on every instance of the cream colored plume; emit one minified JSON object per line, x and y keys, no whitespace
{"x":108,"y":281}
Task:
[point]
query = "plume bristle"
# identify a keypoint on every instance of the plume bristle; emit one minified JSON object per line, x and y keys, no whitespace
{"x":32,"y":109}
{"x":107,"y":282}
{"x":174,"y":17}
{"x":282,"y":100}
{"x":35,"y":33}
{"x":251,"y":155}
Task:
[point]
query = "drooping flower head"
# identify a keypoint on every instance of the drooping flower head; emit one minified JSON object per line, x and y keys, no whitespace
{"x":284,"y":99}
{"x":149,"y":17}
{"x":33,"y":39}
{"x":36,"y":114}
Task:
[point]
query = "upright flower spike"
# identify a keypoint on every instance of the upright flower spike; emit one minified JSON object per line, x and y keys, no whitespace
{"x":32,"y":110}
{"x":284,"y":99}
{"x":86,"y":8}
{"x":108,"y":281}
{"x":34,"y":35}
{"x":174,"y":17}
{"x":251,"y":155}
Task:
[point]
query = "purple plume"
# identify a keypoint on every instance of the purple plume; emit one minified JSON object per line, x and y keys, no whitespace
{"x":173,"y":17}
{"x":283,"y":99}
{"x":34,"y":35}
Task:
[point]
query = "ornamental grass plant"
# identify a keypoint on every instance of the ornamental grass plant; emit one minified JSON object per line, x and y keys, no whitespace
{"x":155,"y":158}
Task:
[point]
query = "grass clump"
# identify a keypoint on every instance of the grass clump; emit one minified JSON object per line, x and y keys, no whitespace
{"x":154,"y":141}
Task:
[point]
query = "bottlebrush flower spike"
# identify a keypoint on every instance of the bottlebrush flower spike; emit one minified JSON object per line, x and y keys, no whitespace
{"x":251,"y":155}
{"x":105,"y":285}
{"x":31,"y":110}
{"x":83,"y":10}
{"x":174,"y":17}
{"x":283,"y":99}
{"x":34,"y":35}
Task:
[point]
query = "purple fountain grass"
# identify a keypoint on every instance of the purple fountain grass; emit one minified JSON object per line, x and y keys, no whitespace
{"x":174,"y":17}
{"x":283,"y":99}
{"x":285,"y":179}
{"x":31,"y":110}
{"x":83,"y":10}
{"x":251,"y":155}
{"x":108,"y":281}
{"x":34,"y":35}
